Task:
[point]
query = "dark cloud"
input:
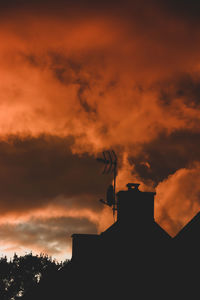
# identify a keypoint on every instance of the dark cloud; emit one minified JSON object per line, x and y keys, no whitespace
{"x":184,"y":87}
{"x":60,"y":6}
{"x":185,"y":9}
{"x":166,"y":155}
{"x":188,"y":9}
{"x":34,"y":171}
{"x":69,"y":70}
{"x":169,"y":152}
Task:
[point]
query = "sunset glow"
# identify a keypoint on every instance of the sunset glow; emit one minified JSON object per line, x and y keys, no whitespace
{"x":76,"y":80}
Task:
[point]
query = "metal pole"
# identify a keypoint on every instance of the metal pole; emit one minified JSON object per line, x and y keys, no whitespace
{"x":114,"y":188}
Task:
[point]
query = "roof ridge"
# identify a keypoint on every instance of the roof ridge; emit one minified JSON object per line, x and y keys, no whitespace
{"x":188,"y":225}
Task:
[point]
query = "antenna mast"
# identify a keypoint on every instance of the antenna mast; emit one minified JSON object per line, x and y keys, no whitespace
{"x":110,"y":161}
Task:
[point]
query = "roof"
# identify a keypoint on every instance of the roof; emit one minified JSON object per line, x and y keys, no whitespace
{"x":191,"y":230}
{"x":162,"y":231}
{"x":116,"y":228}
{"x":83,"y":235}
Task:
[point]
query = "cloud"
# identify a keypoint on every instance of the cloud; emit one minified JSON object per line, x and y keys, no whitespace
{"x":80,"y":78}
{"x":36,"y":171}
{"x":165,"y":155}
{"x":178,"y":199}
{"x":47,"y":194}
{"x":103,"y":73}
{"x":52,"y":235}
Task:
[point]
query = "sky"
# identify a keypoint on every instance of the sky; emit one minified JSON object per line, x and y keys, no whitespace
{"x":80,"y":77}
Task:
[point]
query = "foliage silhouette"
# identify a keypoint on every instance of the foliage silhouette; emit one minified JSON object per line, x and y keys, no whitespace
{"x":22,"y":273}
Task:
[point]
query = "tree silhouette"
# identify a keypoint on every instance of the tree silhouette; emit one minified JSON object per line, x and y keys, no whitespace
{"x":22,"y":273}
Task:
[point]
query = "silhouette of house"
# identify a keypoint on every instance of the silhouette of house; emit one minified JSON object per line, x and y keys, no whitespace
{"x":133,"y":258}
{"x":134,"y":230}
{"x":135,"y":244}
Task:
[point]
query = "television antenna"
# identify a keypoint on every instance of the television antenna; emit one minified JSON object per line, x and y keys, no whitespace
{"x":110,"y":161}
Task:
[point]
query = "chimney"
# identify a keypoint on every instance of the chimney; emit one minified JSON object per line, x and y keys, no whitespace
{"x":134,"y":205}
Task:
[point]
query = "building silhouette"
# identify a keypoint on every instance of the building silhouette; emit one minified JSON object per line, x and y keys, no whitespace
{"x":133,"y":259}
{"x":135,"y":254}
{"x":134,"y":230}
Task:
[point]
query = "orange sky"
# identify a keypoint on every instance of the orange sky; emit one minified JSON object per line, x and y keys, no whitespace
{"x":76,"y":80}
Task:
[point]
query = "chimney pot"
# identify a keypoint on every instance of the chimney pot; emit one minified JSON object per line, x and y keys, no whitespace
{"x":135,"y":185}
